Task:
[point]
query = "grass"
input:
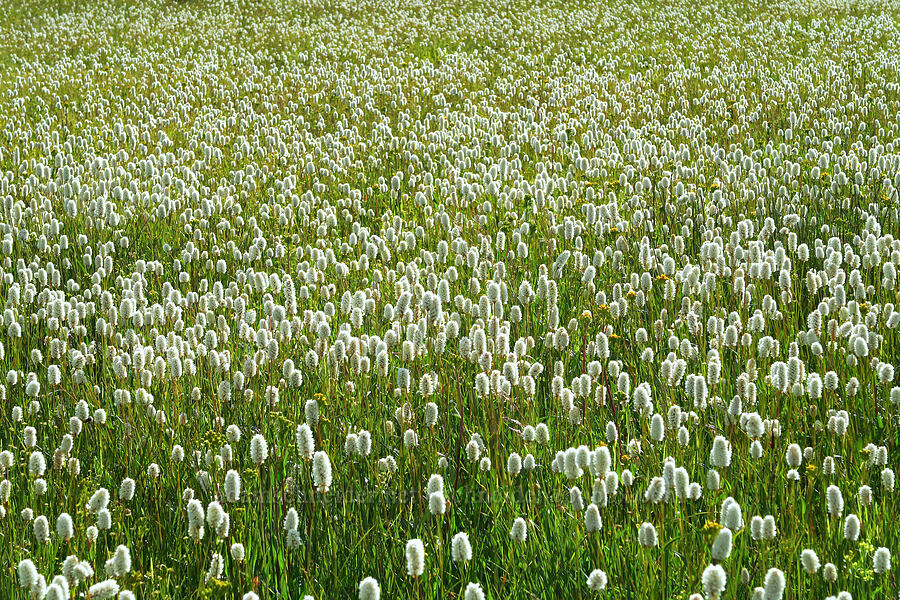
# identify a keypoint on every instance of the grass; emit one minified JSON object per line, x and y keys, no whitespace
{"x":365,"y":91}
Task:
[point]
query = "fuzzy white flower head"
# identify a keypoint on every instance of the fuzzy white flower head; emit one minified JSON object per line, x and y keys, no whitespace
{"x":769,"y":530}
{"x":126,"y":489}
{"x":259,"y":449}
{"x":721,"y":548}
{"x":104,"y":590}
{"x":437,"y":504}
{"x":64,"y":527}
{"x":887,"y":479}
{"x":473,"y":592}
{"x":98,"y":501}
{"x":714,"y":580}
{"x":364,"y":443}
{"x":214,"y":514}
{"x":541,"y":434}
{"x":720,"y":454}
{"x":431,"y":414}
{"x":774,"y":584}
{"x":809,"y":561}
{"x":369,"y":589}
{"x":647,"y":535}
{"x":27,"y":573}
{"x":321,"y":471}
{"x":865,"y":496}
{"x":41,"y":529}
{"x":410,"y":439}
{"x":104,"y":519}
{"x":514,"y":464}
{"x":473,"y":451}
{"x":232,"y":486}
{"x":306,"y":445}
{"x":30,"y":437}
{"x":851,"y":528}
{"x":519,"y":531}
{"x":592,"y":520}
{"x":881,"y":561}
{"x":834,"y":501}
{"x":37,"y":464}
{"x":731,"y":515}
{"x":597,"y":580}
{"x":461,"y":547}
{"x":237,"y":552}
{"x":121,"y":561}
{"x":415,"y":558}
{"x":528,"y":464}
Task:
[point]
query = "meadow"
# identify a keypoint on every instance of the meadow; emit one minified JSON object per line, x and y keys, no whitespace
{"x":467,"y":299}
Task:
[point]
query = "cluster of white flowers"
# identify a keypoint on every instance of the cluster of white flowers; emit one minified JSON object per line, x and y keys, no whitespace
{"x":268,"y":271}
{"x":75,"y":573}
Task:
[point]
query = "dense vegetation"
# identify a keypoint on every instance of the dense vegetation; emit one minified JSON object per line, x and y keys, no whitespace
{"x":449,"y":299}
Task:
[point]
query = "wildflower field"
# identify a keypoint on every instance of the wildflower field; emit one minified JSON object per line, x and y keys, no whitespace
{"x":466,"y":299}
